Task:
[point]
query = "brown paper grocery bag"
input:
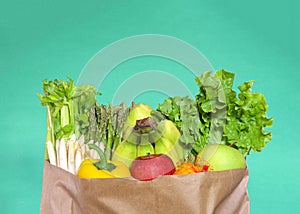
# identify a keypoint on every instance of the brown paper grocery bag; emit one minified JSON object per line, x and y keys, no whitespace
{"x":222,"y":192}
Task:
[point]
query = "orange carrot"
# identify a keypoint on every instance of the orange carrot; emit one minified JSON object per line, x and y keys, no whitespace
{"x":188,"y":168}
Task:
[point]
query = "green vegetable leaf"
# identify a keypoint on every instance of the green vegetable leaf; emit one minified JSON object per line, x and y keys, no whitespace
{"x":239,"y":121}
{"x":246,"y":127}
{"x":68,"y":108}
{"x":184,"y":113}
{"x":214,"y":94}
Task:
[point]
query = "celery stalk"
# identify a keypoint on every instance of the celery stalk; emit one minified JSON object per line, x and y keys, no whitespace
{"x":64,"y":116}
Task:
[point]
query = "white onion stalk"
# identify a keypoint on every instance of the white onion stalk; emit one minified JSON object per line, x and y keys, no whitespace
{"x":51,"y":153}
{"x":63,"y":158}
{"x":71,"y":154}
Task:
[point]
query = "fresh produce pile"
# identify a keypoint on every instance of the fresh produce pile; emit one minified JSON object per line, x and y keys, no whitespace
{"x":214,"y":131}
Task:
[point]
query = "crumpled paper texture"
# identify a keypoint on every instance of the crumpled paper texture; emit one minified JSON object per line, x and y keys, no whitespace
{"x":201,"y":193}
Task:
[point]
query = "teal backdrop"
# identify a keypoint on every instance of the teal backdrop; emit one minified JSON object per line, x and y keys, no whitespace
{"x":55,"y":39}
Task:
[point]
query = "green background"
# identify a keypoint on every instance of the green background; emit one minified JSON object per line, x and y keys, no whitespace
{"x":54,"y":39}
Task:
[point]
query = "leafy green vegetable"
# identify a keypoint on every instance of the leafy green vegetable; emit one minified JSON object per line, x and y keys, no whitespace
{"x":57,"y":97}
{"x":246,"y":123}
{"x":68,"y":109}
{"x":237,"y":121}
{"x":84,"y":102}
{"x":214,"y":99}
{"x":184,"y":113}
{"x":220,"y":115}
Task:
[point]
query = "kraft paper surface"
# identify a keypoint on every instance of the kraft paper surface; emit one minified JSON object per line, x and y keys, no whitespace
{"x":223,"y":192}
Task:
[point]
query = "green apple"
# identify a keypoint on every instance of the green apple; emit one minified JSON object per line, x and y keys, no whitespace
{"x":218,"y":157}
